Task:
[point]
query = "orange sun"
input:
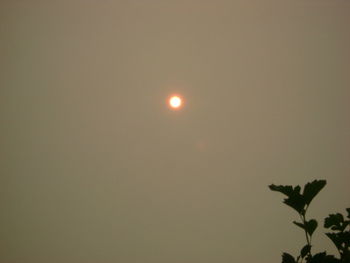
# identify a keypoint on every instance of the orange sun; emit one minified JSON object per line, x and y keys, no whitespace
{"x":175,"y":102}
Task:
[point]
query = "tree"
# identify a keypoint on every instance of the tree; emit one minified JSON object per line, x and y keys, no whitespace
{"x":337,"y":224}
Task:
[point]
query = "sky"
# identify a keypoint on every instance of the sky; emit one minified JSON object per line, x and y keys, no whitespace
{"x":95,"y":167}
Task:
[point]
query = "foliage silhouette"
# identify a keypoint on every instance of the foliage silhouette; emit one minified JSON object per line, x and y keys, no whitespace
{"x":336,"y":223}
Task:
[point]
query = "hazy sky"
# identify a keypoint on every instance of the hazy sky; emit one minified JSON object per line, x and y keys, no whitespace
{"x":96,"y":169}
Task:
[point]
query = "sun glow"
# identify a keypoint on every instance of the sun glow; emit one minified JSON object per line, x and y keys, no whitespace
{"x":175,"y":102}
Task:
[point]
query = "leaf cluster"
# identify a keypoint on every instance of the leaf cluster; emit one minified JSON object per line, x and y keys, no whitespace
{"x":340,"y":232}
{"x":299,"y":201}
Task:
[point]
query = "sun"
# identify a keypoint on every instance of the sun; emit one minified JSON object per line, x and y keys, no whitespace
{"x":175,"y":102}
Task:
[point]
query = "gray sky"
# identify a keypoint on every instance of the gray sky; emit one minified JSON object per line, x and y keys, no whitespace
{"x":96,"y":169}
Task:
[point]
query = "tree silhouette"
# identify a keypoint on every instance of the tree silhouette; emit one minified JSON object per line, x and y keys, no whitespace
{"x":336,"y":223}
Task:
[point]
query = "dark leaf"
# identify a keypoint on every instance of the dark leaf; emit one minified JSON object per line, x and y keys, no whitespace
{"x":284,"y":189}
{"x":346,"y":258}
{"x":334,"y":221}
{"x":348,"y":210}
{"x":305,"y":250}
{"x":301,"y":225}
{"x":344,"y":238}
{"x":323,"y":258}
{"x":336,"y":239}
{"x":343,"y":226}
{"x":287,"y":258}
{"x":318,"y":258}
{"x":312,"y":189}
{"x":294,"y":200}
{"x":311,"y":226}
